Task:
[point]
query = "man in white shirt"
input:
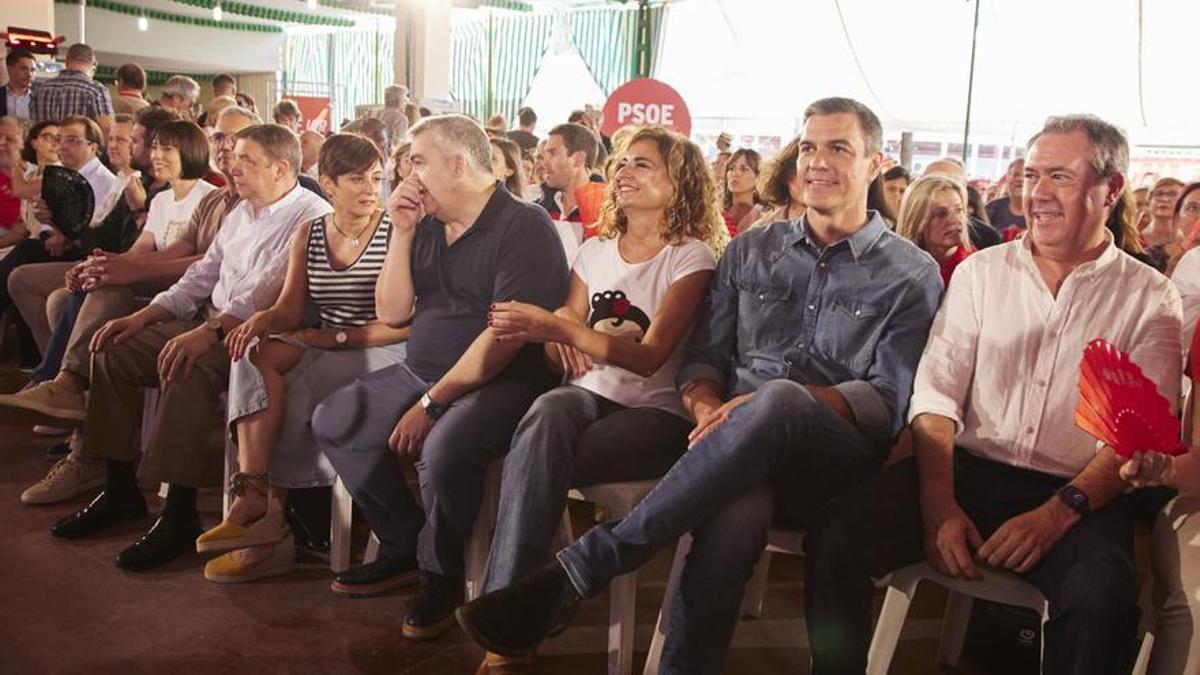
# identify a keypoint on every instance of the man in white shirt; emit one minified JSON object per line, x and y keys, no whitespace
{"x":1002,"y":476}
{"x":175,"y":344}
{"x":80,"y":151}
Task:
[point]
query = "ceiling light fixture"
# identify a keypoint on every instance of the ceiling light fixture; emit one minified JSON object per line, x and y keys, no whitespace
{"x":143,"y":23}
{"x":218,"y":14}
{"x":312,"y":4}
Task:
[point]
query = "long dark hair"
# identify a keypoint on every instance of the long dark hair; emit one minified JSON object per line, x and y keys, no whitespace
{"x":27,"y":152}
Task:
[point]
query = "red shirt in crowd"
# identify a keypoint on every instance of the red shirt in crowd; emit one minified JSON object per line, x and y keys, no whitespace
{"x":960,"y":254}
{"x":10,"y":206}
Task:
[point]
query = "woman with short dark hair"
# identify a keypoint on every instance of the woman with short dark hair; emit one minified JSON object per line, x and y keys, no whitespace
{"x":179,"y":157}
{"x":282,"y":369}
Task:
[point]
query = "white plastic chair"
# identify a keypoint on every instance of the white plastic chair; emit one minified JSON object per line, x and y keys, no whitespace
{"x":618,"y":499}
{"x":996,"y":586}
{"x":475,"y":551}
{"x":790,"y":542}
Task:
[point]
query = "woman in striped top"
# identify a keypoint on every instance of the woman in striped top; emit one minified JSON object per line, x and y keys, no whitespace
{"x":281,"y":369}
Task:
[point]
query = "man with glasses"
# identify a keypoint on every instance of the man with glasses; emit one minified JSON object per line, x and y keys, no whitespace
{"x":74,"y":92}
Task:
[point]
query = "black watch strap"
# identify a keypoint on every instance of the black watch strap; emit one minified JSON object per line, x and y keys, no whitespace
{"x":1075,"y":499}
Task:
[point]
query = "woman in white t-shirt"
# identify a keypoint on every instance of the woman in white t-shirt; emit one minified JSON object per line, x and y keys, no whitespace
{"x":179,"y":157}
{"x":635,"y":291}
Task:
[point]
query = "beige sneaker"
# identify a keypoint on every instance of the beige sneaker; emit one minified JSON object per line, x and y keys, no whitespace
{"x":69,"y":477}
{"x":48,"y":398}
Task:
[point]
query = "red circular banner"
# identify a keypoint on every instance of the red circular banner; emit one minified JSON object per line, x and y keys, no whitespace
{"x":646,"y":101}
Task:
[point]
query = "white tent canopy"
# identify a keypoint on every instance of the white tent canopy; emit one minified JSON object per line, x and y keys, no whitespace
{"x":910,"y":61}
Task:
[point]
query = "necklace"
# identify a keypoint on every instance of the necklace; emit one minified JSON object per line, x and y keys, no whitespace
{"x":353,"y":240}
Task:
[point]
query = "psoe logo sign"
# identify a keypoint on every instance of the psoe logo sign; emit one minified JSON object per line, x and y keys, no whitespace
{"x":645,"y":101}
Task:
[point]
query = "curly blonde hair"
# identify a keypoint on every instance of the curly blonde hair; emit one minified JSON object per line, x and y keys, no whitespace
{"x":695,"y":208}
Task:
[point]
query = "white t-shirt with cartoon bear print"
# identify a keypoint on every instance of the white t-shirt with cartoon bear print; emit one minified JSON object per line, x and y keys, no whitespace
{"x":624,"y":298}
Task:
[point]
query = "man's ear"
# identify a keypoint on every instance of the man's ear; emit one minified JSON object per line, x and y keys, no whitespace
{"x":1115,"y":184}
{"x":876,"y":164}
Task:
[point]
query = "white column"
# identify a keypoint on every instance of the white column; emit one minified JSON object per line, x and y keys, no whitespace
{"x":423,"y":34}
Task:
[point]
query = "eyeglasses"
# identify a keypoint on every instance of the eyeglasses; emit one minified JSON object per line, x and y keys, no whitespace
{"x":74,"y":140}
{"x":1165,"y":194}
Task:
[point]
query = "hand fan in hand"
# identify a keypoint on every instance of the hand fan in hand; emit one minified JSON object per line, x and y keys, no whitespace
{"x":588,"y":199}
{"x":69,"y":198}
{"x":1121,"y":407}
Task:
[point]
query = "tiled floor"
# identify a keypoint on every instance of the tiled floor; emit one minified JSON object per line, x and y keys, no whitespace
{"x":67,"y":609}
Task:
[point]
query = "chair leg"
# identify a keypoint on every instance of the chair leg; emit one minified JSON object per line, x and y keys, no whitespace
{"x":340,"y":522}
{"x":887,"y":631}
{"x":622,"y":599}
{"x":654,"y":655}
{"x":475,"y":553}
{"x":372,"y":551}
{"x":752,"y":600}
{"x":954,"y":628}
{"x":1143,"y":657}
{"x":231,"y":465}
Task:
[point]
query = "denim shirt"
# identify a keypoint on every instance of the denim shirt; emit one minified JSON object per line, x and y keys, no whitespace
{"x":853,"y":316}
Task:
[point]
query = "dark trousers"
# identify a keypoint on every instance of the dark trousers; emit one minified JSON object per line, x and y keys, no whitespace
{"x":352,"y":427}
{"x":25,"y":252}
{"x":1088,"y":577}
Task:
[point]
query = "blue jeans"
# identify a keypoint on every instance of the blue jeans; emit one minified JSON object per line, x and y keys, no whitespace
{"x":352,"y":427}
{"x":779,"y":456}
{"x":571,"y":437}
{"x":56,"y":348}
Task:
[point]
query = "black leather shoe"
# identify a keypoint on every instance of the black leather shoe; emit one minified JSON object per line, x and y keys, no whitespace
{"x":432,"y":610}
{"x":375,"y":578}
{"x":164,"y":542}
{"x":513,"y":621}
{"x":102,"y":512}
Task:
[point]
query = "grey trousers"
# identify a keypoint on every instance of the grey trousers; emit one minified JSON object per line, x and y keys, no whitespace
{"x":352,"y":427}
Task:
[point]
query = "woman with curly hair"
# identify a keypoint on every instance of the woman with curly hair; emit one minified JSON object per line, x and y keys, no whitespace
{"x":780,"y":187}
{"x":635,"y":290}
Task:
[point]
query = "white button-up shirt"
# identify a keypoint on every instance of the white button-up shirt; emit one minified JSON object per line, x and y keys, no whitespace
{"x":102,"y":181}
{"x":1002,"y":359}
{"x":18,"y":104}
{"x":243,"y":270}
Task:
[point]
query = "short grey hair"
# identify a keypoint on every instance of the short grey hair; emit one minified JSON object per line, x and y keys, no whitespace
{"x":233,"y":110}
{"x":395,"y":95}
{"x":183,"y":87}
{"x":9,"y":120}
{"x":1110,"y":149}
{"x":277,"y":141}
{"x":868,"y":122}
{"x":458,"y":134}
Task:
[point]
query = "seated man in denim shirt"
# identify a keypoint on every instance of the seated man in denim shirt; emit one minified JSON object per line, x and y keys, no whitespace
{"x":798,"y":376}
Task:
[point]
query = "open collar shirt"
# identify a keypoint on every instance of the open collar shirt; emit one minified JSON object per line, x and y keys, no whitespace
{"x":242,"y":271}
{"x":853,"y":315}
{"x":1003,"y":356}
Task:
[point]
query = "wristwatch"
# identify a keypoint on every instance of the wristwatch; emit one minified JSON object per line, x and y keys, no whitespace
{"x":432,"y":408}
{"x":340,"y":338}
{"x":217,"y":327}
{"x":1075,"y":499}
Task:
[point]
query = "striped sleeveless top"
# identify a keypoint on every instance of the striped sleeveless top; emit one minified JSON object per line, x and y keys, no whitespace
{"x":345,"y":297}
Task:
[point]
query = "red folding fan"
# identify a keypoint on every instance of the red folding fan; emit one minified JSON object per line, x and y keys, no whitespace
{"x":1121,"y":407}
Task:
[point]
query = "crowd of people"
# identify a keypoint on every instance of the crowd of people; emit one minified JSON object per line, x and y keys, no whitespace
{"x":819,"y":340}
